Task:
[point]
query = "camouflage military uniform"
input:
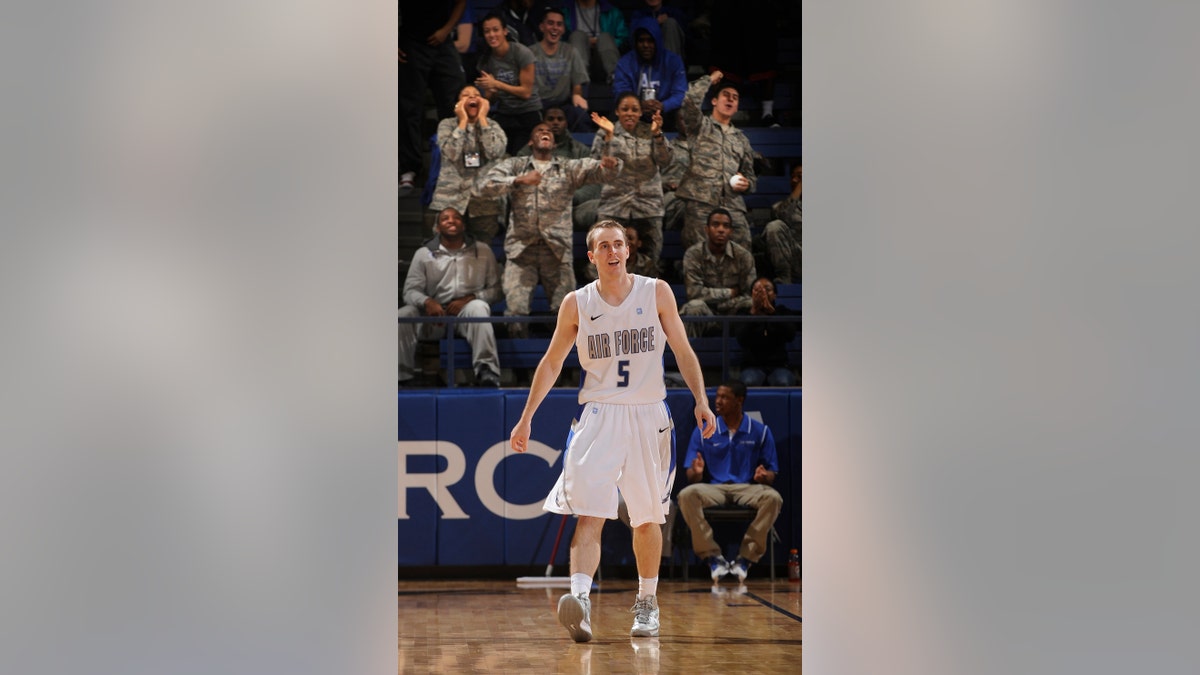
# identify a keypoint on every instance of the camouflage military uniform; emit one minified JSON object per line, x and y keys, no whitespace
{"x":681,"y":150}
{"x":783,"y":241}
{"x":718,"y":152}
{"x":635,"y":197}
{"x":584,"y":201}
{"x":538,"y":243}
{"x":456,"y":178}
{"x":708,"y":280}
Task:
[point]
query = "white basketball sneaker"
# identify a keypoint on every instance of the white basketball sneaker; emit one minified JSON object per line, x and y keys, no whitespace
{"x":575,"y":614}
{"x":645,"y":617}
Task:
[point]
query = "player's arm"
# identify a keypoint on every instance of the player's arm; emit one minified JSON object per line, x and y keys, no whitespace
{"x":685,"y":358}
{"x":548,"y":369}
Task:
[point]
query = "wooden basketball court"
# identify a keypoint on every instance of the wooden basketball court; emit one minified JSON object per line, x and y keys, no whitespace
{"x":495,"y":627}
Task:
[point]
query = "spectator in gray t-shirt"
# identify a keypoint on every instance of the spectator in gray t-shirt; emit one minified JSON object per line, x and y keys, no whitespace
{"x":559,"y":75}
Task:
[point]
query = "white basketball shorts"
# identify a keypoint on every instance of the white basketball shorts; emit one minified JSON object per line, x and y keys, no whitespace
{"x":611,"y":447}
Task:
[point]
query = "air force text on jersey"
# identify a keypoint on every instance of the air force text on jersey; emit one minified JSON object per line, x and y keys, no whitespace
{"x":621,"y":342}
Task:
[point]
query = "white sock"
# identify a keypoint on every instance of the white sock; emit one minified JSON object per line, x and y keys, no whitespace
{"x":647,"y":586}
{"x":768,"y":108}
{"x":581,"y":584}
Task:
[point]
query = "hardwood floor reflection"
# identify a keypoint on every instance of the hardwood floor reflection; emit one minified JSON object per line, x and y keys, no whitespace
{"x":493,"y":626}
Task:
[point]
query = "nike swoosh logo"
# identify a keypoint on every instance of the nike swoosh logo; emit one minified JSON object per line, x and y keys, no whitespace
{"x":597,"y":317}
{"x":663,"y":429}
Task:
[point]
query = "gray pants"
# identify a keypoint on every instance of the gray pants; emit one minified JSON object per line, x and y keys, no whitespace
{"x":480,"y":335}
{"x":694,"y":498}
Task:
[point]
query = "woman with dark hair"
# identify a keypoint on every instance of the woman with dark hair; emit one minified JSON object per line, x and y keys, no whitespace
{"x":634,"y":197}
{"x":506,"y":79}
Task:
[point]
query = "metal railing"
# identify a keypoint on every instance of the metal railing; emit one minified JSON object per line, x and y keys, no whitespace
{"x":724,"y":319}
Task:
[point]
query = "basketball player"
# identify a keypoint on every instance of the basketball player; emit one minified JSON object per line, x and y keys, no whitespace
{"x":624,"y":437}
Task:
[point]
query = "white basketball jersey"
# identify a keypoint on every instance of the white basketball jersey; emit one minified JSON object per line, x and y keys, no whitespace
{"x":621,"y":348}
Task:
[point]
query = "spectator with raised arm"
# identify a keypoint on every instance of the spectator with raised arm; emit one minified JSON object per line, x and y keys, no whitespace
{"x":722,"y":166}
{"x":468,"y":142}
{"x":635,"y":197}
{"x":538,"y":244}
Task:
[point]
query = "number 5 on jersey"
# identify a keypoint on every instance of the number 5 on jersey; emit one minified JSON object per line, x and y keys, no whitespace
{"x":623,"y":371}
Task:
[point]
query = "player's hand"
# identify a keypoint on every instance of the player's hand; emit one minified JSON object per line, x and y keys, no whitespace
{"x":519,"y":438}
{"x":698,"y":463}
{"x":705,"y":420}
{"x":761,"y":474}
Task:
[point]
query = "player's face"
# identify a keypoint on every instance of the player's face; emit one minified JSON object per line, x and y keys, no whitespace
{"x":610,"y":249}
{"x":629,"y":111}
{"x":726,"y":402}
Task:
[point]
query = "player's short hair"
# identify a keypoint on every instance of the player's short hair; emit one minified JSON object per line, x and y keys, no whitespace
{"x":603,"y":224}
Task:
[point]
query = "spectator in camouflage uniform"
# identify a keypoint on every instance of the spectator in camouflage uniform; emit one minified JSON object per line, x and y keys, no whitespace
{"x":635,"y":197}
{"x":565,"y":146}
{"x":722,"y":166}
{"x":718,"y":275}
{"x":681,"y":157}
{"x":538,"y":244}
{"x":468,"y":143}
{"x":780,"y":240}
{"x":452,"y":274}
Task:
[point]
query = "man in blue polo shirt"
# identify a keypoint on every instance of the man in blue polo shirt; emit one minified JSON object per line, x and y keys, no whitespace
{"x":736,"y":465}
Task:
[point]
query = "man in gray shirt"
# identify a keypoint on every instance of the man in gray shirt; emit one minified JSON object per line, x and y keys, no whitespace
{"x":559,"y":74}
{"x":453,"y":275}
